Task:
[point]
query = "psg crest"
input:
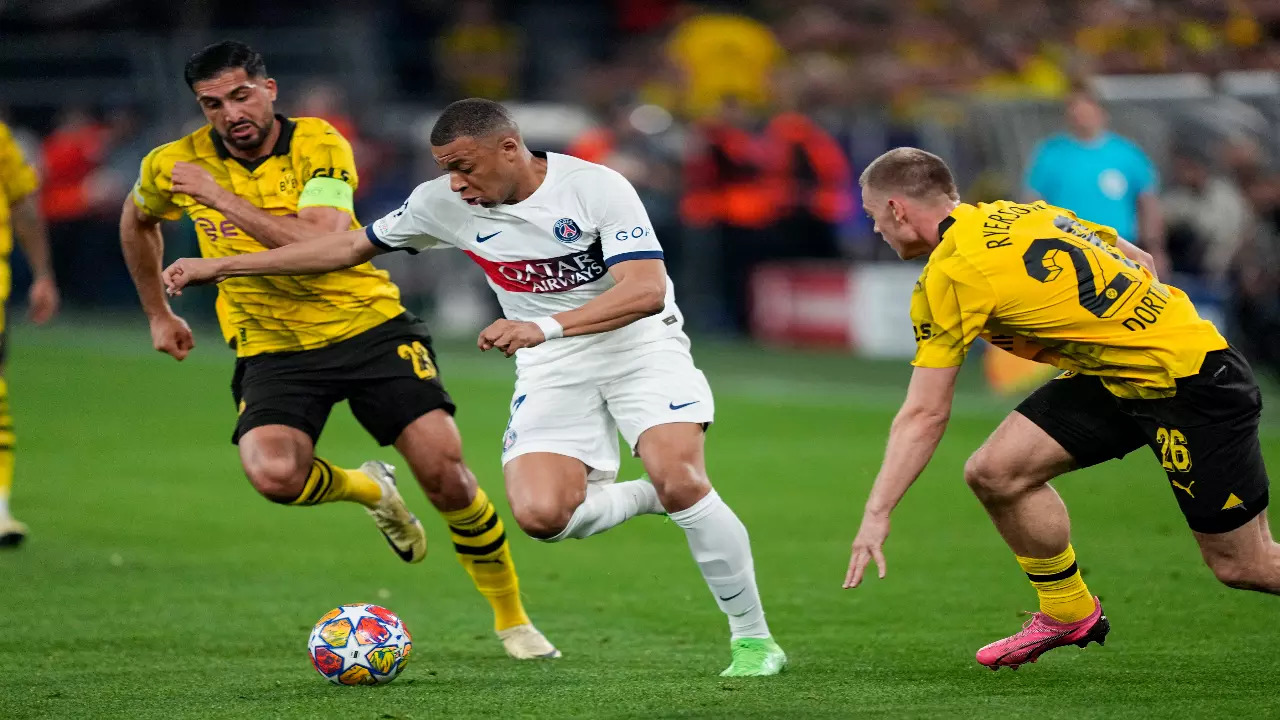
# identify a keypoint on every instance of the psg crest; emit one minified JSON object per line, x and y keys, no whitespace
{"x":567,"y":230}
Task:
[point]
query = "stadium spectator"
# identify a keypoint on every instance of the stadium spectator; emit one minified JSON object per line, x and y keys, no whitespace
{"x":1207,"y":216}
{"x":814,"y":176}
{"x":1102,"y":176}
{"x":732,"y":197}
{"x":1255,"y":297}
{"x":480,"y":55}
{"x":724,"y":55}
{"x":70,"y":157}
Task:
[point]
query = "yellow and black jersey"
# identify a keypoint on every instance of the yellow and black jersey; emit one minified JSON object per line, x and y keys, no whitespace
{"x":310,"y":165}
{"x":1039,"y":282}
{"x":17,"y":180}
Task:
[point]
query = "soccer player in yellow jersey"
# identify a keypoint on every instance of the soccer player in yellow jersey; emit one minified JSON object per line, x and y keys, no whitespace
{"x":1141,"y":368}
{"x":251,"y":180}
{"x":19,"y":214}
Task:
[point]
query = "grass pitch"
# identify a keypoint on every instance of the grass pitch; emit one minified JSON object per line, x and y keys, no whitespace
{"x":157,"y":584}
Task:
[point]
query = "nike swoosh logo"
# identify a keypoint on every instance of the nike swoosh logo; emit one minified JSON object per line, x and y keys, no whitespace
{"x":405,"y":555}
{"x":674,"y":406}
{"x":481,"y":238}
{"x":727,"y":599}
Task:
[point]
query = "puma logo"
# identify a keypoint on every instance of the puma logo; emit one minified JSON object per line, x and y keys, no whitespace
{"x":1186,"y":487}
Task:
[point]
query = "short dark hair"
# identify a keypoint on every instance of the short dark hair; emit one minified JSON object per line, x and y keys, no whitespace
{"x":473,"y":117}
{"x":219,"y":57}
{"x":911,"y":171}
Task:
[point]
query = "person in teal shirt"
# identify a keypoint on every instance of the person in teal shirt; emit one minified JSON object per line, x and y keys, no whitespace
{"x":1102,"y":176}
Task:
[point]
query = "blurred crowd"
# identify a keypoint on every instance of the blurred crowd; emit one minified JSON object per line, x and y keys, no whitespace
{"x":743,"y":125}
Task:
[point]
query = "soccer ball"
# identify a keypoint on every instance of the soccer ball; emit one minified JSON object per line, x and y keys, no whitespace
{"x":359,"y":645}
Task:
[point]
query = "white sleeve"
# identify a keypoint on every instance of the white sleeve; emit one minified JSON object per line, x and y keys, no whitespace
{"x":625,"y":230}
{"x":415,"y":226}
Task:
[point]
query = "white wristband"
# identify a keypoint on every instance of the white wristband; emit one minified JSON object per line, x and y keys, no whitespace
{"x":550,"y":328}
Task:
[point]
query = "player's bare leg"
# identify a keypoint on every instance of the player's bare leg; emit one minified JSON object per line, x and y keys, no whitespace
{"x":12,"y":532}
{"x":1247,"y":558}
{"x":280,"y":463}
{"x":552,"y":500}
{"x":1010,"y":475}
{"x":432,"y":446}
{"x":673,"y":456}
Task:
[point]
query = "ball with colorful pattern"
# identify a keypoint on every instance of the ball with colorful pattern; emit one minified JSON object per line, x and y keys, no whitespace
{"x":359,"y":645}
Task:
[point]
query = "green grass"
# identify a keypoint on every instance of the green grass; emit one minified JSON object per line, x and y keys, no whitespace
{"x":157,"y":584}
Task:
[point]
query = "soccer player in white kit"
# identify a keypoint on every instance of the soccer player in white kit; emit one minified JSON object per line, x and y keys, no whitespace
{"x":599,"y":344}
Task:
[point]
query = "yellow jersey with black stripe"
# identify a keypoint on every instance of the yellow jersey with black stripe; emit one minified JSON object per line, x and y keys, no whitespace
{"x":1039,"y":282}
{"x":17,"y":180}
{"x":310,"y":165}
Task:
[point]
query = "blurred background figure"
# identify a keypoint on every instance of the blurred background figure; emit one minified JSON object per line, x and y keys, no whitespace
{"x":723,"y":55}
{"x":1207,"y":216}
{"x":1100,"y":175}
{"x":733,"y":200}
{"x":813,"y":171}
{"x":480,"y":54}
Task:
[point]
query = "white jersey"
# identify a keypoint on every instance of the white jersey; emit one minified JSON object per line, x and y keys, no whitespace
{"x":546,"y":254}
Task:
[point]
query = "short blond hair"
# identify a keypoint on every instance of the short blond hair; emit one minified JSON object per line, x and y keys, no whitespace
{"x":912,"y":172}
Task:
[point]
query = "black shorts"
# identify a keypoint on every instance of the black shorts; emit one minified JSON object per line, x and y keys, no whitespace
{"x":1205,"y":436}
{"x":388,"y":375}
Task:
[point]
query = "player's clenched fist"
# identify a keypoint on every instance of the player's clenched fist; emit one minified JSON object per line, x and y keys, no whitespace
{"x":190,"y":271}
{"x":171,"y":335}
{"x":191,"y":179}
{"x":510,"y":336}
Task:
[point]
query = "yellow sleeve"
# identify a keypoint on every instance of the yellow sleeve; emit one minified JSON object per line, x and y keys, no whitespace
{"x":153,"y":192}
{"x":17,"y":177}
{"x":949,"y":309}
{"x":1105,"y":233}
{"x":329,"y":173}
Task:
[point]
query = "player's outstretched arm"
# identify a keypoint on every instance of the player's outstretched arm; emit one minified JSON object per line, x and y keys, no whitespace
{"x":143,"y":247}
{"x":913,"y":437}
{"x":271,"y":230}
{"x":640,"y":290}
{"x":335,"y":251}
{"x":33,"y":236}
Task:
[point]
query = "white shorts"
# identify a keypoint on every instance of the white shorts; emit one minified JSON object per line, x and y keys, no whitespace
{"x":576,"y":406}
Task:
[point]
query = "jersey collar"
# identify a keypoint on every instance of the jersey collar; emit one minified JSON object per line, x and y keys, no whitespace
{"x":948,"y":221}
{"x":280,"y":148}
{"x":945,"y":225}
{"x":547,"y":180}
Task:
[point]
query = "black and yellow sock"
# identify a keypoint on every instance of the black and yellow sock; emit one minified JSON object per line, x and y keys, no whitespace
{"x":328,"y":483}
{"x":1063,"y":594}
{"x":6,"y":448}
{"x":480,"y":541}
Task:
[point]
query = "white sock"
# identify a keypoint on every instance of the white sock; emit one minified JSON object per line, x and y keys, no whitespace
{"x":4,"y":506}
{"x":720,"y":546}
{"x":610,"y":505}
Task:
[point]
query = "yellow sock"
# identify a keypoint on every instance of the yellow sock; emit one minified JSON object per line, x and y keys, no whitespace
{"x":6,"y":448}
{"x":328,"y":483}
{"x":481,"y":544}
{"x":1063,"y":595}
